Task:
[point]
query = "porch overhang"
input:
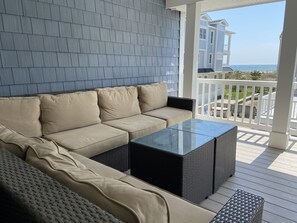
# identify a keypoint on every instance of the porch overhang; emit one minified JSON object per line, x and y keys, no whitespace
{"x":214,"y":5}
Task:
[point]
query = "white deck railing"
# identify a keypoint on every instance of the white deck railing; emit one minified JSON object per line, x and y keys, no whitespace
{"x":242,"y":102}
{"x":236,"y":101}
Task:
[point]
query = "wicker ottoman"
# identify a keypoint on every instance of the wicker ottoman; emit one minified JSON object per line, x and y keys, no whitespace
{"x":177,"y":161}
{"x":225,"y":146}
{"x":242,"y":207}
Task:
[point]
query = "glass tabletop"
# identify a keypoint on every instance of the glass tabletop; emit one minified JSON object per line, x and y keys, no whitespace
{"x":203,"y":127}
{"x":173,"y":141}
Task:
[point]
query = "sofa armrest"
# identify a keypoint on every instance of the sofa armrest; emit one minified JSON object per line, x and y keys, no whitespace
{"x":241,"y":207}
{"x":182,"y":103}
{"x":29,"y":196}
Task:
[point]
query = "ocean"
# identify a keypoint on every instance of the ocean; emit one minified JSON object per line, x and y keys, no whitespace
{"x":262,"y":67}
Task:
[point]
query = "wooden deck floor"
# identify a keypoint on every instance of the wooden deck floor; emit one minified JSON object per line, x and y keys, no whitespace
{"x":267,"y":172}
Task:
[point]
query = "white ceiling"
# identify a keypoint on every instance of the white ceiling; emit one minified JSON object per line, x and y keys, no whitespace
{"x":215,"y":5}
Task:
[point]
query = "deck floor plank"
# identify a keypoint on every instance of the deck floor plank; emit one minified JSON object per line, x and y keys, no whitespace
{"x":267,"y":172}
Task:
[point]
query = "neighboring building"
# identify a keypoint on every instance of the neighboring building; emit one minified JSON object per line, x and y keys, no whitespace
{"x":214,"y":46}
{"x":214,"y":52}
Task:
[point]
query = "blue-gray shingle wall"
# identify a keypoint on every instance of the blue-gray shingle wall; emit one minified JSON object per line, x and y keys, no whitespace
{"x":66,"y":45}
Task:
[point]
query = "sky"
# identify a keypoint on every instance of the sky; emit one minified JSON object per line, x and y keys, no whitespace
{"x":258,"y":29}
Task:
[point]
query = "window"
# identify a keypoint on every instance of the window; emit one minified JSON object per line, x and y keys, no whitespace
{"x":202,"y":33}
{"x":210,"y":58}
{"x":211,"y":37}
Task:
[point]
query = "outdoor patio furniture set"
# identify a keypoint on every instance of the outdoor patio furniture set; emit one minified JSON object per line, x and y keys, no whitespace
{"x":182,"y":156}
{"x":64,"y":135}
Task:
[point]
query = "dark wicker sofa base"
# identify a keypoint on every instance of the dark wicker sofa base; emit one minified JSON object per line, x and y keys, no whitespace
{"x":117,"y":158}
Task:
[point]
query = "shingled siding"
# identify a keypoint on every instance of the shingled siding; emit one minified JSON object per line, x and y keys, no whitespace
{"x":66,"y":45}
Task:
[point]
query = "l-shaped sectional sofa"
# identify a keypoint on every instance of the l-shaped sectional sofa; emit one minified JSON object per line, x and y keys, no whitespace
{"x":80,"y":139}
{"x":96,"y":124}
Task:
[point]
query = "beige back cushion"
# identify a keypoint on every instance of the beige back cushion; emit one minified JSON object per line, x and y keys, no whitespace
{"x":68,"y":111}
{"x":15,"y":142}
{"x":152,"y":96}
{"x":118,"y":102}
{"x":124,"y":201}
{"x":21,"y":114}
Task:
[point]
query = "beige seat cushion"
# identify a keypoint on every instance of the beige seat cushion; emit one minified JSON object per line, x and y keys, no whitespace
{"x":138,"y":125}
{"x":15,"y":142}
{"x":124,"y":201}
{"x":21,"y":114}
{"x":181,"y":211}
{"x":171,"y":115}
{"x":97,"y":167}
{"x":68,"y":111}
{"x":91,"y":140}
{"x":118,"y":102}
{"x":152,"y":96}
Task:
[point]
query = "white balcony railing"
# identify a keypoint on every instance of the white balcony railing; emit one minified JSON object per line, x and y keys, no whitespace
{"x":242,"y":102}
{"x":212,"y":75}
{"x":226,"y":48}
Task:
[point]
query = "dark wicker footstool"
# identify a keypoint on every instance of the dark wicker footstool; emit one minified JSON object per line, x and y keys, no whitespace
{"x":29,"y":196}
{"x":177,"y":161}
{"x":242,"y":207}
{"x":225,"y":145}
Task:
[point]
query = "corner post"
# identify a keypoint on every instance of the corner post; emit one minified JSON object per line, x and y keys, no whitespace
{"x":279,"y":135}
{"x":191,"y":50}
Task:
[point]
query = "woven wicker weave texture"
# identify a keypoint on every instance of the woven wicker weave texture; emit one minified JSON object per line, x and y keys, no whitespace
{"x":42,"y":199}
{"x":242,"y":207}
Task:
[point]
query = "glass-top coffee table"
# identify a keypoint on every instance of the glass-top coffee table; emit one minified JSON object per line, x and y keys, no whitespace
{"x":225,"y":145}
{"x":178,"y":161}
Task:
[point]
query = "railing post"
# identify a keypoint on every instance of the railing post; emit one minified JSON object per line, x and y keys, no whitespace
{"x":209,"y":99}
{"x":236,"y":102}
{"x":216,"y":100}
{"x":229,"y":101}
{"x":243,"y":104}
{"x":222,"y":100}
{"x":269,"y":107}
{"x":181,"y":53}
{"x":252,"y":105}
{"x":260,"y":102}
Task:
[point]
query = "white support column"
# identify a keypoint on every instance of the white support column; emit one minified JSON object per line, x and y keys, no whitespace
{"x":286,"y":76}
{"x":182,"y":31}
{"x":191,"y":49}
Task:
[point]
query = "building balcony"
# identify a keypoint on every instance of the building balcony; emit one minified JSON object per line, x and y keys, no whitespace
{"x":226,"y":49}
{"x":226,"y":52}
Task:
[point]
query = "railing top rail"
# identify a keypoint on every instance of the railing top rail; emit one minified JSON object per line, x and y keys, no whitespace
{"x":238,"y":82}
